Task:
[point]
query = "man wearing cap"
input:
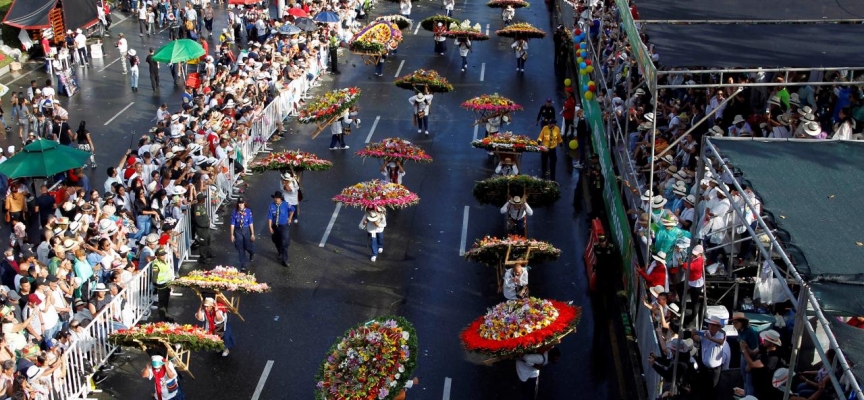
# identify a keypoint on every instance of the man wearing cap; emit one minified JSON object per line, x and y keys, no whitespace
{"x":517,"y":211}
{"x":711,"y":344}
{"x":546,"y":113}
{"x":162,"y":274}
{"x":605,"y":267}
{"x":550,"y":137}
{"x":164,"y":377}
{"x":279,"y":217}
{"x":202,"y":228}
{"x":242,"y":232}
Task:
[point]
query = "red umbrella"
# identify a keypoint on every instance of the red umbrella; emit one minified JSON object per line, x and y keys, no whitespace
{"x":297,"y":12}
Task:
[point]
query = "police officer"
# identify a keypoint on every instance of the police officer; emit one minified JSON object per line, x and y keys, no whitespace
{"x":279,"y":217}
{"x":334,"y":53}
{"x":202,"y":229}
{"x":162,"y":275}
{"x":604,"y":265}
{"x":243,"y":233}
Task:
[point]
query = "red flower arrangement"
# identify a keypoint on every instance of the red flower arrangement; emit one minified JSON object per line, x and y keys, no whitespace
{"x":502,"y":331}
{"x":288,"y":160}
{"x":395,"y":149}
{"x":509,"y":142}
{"x":491,"y":103}
{"x":378,"y":37}
{"x":329,"y":105}
{"x":377,"y":193}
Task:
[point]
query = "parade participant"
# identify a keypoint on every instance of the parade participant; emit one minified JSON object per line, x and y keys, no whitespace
{"x":202,"y":229}
{"x":506,"y":167}
{"x":421,"y":103}
{"x":440,"y":40}
{"x":215,"y":321}
{"x":123,"y":47}
{"x":550,"y":137}
{"x":338,"y":129}
{"x":528,"y":370}
{"x":291,"y":193}
{"x":164,"y":377}
{"x":517,"y":212}
{"x":279,"y":218}
{"x":448,"y":6}
{"x":133,"y":68}
{"x":393,"y":171}
{"x":507,"y":14}
{"x":520,"y":49}
{"x":546,"y":113}
{"x":405,"y":8}
{"x":243,"y":233}
{"x":374,"y":223}
{"x":568,"y":112}
{"x":464,"y":46}
{"x":162,"y":274}
{"x":516,"y":283}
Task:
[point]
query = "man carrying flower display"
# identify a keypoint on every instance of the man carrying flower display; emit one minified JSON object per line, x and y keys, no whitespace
{"x":528,"y":370}
{"x":164,"y":377}
{"x":215,"y":321}
{"x":374,"y":223}
{"x":393,"y":171}
{"x":421,"y":103}
{"x":517,"y":212}
{"x":338,"y":129}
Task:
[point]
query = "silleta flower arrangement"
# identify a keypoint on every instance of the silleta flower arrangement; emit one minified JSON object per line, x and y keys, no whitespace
{"x":425,"y":79}
{"x":430,"y":23}
{"x":328,"y":105}
{"x":290,"y":160}
{"x":465,"y":30}
{"x":539,"y":192}
{"x":401,"y":21}
{"x":491,"y":103}
{"x":508,"y":142}
{"x":372,"y":361}
{"x":378,"y":37}
{"x":521,"y":30}
{"x":395,"y":149}
{"x":376,"y":193}
{"x":505,"y":3}
{"x":518,"y":326}
{"x":190,"y":337}
{"x":492,"y":250}
{"x":222,"y":279}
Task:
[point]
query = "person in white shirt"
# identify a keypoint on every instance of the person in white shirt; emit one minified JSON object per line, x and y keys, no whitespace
{"x":448,"y":6}
{"x":122,"y":47}
{"x":291,"y":193}
{"x":142,"y":19}
{"x":405,"y":7}
{"x":507,"y":14}
{"x":421,"y":103}
{"x":393,"y":171}
{"x":337,"y":131}
{"x":711,"y":345}
{"x":81,"y":47}
{"x":464,"y":46}
{"x":520,"y":49}
{"x":515,"y":283}
{"x":373,"y":223}
{"x":506,"y":167}
{"x":528,"y":370}
{"x":517,"y":212}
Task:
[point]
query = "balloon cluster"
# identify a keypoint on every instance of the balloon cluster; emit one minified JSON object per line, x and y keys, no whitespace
{"x":584,"y":62}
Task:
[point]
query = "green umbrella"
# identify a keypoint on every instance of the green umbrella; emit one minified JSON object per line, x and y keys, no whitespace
{"x":178,"y":51}
{"x":43,"y":158}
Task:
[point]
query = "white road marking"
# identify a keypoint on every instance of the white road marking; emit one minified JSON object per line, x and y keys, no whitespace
{"x":461,"y":253}
{"x":400,"y":68}
{"x":476,"y":128}
{"x":330,"y":225}
{"x":262,"y":380}
{"x":482,"y":71}
{"x":24,"y":74}
{"x":118,"y":114}
{"x":374,"y":125}
{"x":447,"y":384}
{"x":487,"y":29}
{"x":417,"y":29}
{"x":110,"y":64}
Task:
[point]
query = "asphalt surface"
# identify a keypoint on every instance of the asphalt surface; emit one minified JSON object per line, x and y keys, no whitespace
{"x":420,"y":275}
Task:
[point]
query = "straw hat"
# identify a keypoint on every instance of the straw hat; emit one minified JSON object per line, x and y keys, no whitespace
{"x":714,"y":320}
{"x":660,"y":256}
{"x":656,"y":290}
{"x":516,"y":200}
{"x":372,"y":216}
{"x":658,"y":202}
{"x":780,"y":378}
{"x":812,"y":128}
{"x":771,"y":336}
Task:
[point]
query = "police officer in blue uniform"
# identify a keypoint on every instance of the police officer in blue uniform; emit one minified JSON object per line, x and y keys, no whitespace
{"x":279,"y":217}
{"x":243,"y":233}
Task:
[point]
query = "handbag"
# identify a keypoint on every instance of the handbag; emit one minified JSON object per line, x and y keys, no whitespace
{"x":421,"y":114}
{"x":346,"y":129}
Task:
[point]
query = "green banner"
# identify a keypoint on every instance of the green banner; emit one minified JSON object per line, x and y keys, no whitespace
{"x":643,"y":59}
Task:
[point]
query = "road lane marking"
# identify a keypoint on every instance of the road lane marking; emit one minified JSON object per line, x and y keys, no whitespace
{"x":24,"y":74}
{"x":417,"y":29}
{"x":447,"y":383}
{"x":400,"y":68}
{"x":374,"y":125}
{"x":110,"y":64}
{"x":476,"y":128}
{"x":616,"y":354}
{"x":487,"y":29}
{"x":330,"y":225}
{"x":464,"y":237}
{"x":262,"y":380}
{"x":482,"y":71}
{"x":118,"y":114}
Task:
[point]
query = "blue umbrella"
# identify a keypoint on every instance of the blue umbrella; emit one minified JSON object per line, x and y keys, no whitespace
{"x":327,"y":17}
{"x":289,"y":29}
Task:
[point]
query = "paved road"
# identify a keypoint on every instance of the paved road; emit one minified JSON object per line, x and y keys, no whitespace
{"x":420,"y":275}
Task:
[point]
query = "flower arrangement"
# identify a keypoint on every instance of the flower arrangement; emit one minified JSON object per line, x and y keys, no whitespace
{"x":190,"y":337}
{"x":508,"y":142}
{"x":521,"y":30}
{"x":329,"y":105}
{"x":491,"y":103}
{"x":401,"y":21}
{"x":505,"y":3}
{"x":539,"y":192}
{"x":222,"y":279}
{"x":425,"y":79}
{"x":465,"y":30}
{"x":376,"y":193}
{"x":372,"y":361}
{"x":395,"y":149}
{"x":519,"y":326}
{"x":378,"y":37}
{"x":288,"y":160}
{"x":492,"y":250}
{"x":430,"y":23}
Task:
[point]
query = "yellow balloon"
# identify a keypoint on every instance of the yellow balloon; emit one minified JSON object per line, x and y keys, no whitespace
{"x":589,"y":95}
{"x":583,"y":71}
{"x":591,"y":82}
{"x":573,"y":144}
{"x":567,"y":82}
{"x":579,"y":60}
{"x":590,"y":69}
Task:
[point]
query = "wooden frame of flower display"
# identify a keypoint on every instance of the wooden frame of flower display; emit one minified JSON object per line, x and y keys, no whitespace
{"x":324,"y":109}
{"x":497,"y":189}
{"x":395,"y":149}
{"x":430,"y":23}
{"x":190,"y":337}
{"x":372,"y":360}
{"x":465,"y":30}
{"x":401,"y":21}
{"x":499,"y":252}
{"x":520,"y":326}
{"x":521,"y":30}
{"x":424,"y":80}
{"x":375,"y":40}
{"x":290,"y":160}
{"x":509,"y":142}
{"x":377,"y":193}
{"x":505,"y":3}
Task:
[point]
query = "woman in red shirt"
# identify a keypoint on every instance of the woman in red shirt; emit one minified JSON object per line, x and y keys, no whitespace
{"x":656,"y":273}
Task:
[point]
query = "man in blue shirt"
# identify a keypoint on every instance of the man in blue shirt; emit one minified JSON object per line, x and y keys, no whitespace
{"x":243,"y":233}
{"x":279,"y":217}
